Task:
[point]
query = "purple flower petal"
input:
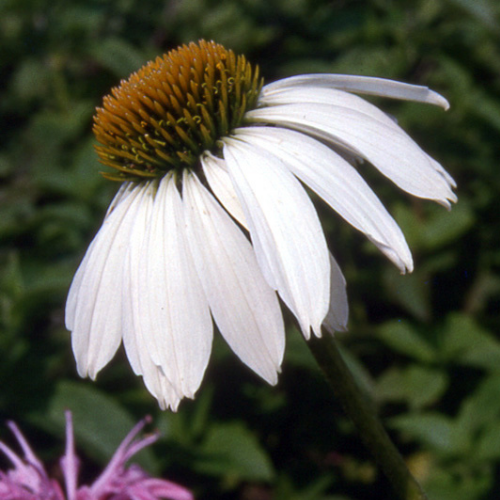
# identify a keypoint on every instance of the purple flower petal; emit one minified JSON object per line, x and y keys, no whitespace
{"x":28,"y":480}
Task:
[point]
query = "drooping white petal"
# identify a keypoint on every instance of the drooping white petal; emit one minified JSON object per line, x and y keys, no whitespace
{"x":362,"y":85}
{"x":147,"y":325}
{"x":134,"y":340}
{"x":94,"y":307}
{"x":338,"y":314}
{"x":72,"y":300}
{"x":448,"y":178}
{"x":387,"y":147}
{"x":154,"y":379}
{"x":338,"y":183}
{"x":330,"y":96}
{"x":125,"y":189}
{"x":176,"y":319}
{"x":243,"y":305}
{"x":220,"y":183}
{"x":285,"y":231}
{"x":140,"y":360}
{"x":160,"y":387}
{"x":135,"y":337}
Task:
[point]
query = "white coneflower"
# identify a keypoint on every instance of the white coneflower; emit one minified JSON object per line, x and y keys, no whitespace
{"x":212,"y":218}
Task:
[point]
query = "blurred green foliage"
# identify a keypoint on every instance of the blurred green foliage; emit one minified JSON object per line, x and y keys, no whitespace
{"x":427,"y":346}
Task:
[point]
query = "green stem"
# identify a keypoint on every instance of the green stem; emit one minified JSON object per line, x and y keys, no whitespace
{"x":362,"y":412}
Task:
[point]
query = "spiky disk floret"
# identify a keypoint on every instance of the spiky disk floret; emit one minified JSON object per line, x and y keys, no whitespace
{"x":173,"y":109}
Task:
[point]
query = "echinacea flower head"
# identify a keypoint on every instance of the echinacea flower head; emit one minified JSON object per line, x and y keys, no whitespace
{"x":212,"y":220}
{"x":28,"y":480}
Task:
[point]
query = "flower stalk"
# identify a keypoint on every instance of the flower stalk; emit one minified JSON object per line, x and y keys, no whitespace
{"x":362,"y":412}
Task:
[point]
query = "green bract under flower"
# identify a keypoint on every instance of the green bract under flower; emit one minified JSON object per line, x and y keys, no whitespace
{"x":174,"y":108}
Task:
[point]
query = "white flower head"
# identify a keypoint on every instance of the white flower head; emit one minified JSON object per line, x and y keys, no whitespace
{"x":212,"y":222}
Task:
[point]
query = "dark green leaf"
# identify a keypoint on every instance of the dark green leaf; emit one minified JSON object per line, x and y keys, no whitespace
{"x":403,"y":338}
{"x":100,"y":422}
{"x":231,"y":451}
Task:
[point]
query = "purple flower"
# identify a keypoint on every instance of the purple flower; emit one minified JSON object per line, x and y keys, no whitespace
{"x":28,"y":480}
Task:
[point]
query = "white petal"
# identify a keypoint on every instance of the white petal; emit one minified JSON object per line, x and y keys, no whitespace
{"x":388,"y":148}
{"x":140,"y":360}
{"x":285,"y":231}
{"x":94,"y":305}
{"x":329,"y":97}
{"x":448,"y":178}
{"x":161,"y":388}
{"x":72,"y":300}
{"x":243,"y":305}
{"x":338,"y":183}
{"x":338,"y":314}
{"x":125,"y":189}
{"x":363,"y":85}
{"x":220,"y":183}
{"x":147,"y":327}
{"x":136,"y":335}
{"x":133,"y":317}
{"x":176,"y":318}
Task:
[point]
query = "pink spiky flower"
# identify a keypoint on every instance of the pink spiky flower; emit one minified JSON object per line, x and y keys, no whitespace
{"x":28,"y":480}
